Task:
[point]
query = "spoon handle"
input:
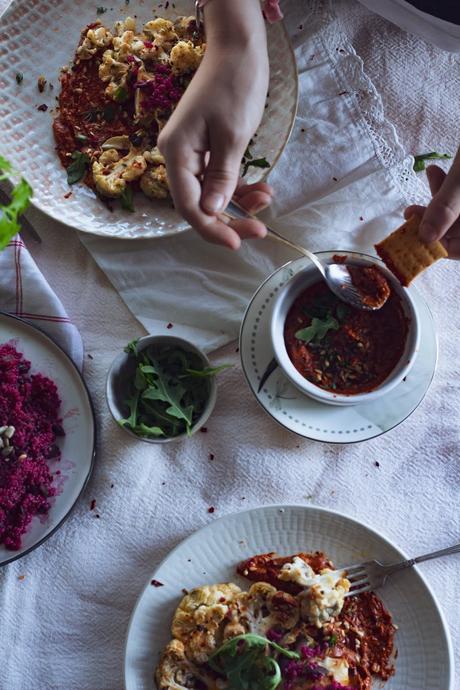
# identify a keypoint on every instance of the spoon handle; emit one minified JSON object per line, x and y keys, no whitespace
{"x":234,"y":210}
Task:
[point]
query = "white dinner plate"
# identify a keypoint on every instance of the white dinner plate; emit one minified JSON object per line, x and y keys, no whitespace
{"x":39,"y":37}
{"x":78,"y":444}
{"x":425,"y":659}
{"x":317,"y":421}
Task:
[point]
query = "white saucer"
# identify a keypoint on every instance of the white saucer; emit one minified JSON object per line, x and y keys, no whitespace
{"x":314,"y":420}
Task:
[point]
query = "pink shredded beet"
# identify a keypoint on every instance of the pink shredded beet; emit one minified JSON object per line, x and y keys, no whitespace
{"x":30,"y":404}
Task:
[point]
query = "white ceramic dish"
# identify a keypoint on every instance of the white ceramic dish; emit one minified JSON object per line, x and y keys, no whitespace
{"x":120,"y":377}
{"x":39,"y":37}
{"x":289,"y":293}
{"x":307,"y":417}
{"x":425,"y":660}
{"x":78,"y":444}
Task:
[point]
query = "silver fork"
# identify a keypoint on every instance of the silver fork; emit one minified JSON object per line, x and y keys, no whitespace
{"x":370,"y":575}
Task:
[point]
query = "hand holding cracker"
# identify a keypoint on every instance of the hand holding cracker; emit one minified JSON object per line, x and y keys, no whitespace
{"x":441,"y":219}
{"x":405,"y":254}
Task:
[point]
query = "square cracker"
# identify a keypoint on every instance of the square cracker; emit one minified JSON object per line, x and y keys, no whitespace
{"x":405,"y":254}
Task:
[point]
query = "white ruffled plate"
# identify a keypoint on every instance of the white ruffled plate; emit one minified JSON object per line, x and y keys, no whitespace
{"x":303,"y":415}
{"x":78,"y":444}
{"x":424,"y":661}
{"x":39,"y":37}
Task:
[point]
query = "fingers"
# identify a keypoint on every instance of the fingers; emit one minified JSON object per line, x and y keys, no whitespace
{"x":436,"y":177}
{"x":444,"y":208}
{"x":414,"y":211}
{"x":221,"y":174}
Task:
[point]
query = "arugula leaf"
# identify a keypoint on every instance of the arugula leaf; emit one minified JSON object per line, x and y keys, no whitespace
{"x":19,"y":201}
{"x":165,"y":398}
{"x":127,"y":199}
{"x":419,"y":161}
{"x":317,"y":329}
{"x":121,"y":95}
{"x":208,"y":371}
{"x":77,"y":170}
{"x":246,"y":664}
{"x":256,"y":163}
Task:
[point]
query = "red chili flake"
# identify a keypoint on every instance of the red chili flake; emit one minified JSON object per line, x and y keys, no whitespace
{"x":97,"y":515}
{"x":169,"y":325}
{"x":43,"y":107}
{"x":156,"y":583}
{"x":222,"y":600}
{"x":361,"y":218}
{"x":184,"y":591}
{"x":112,"y":485}
{"x":21,"y":577}
{"x":68,"y":195}
{"x":377,"y":464}
{"x":302,"y":129}
{"x":204,"y":429}
{"x":405,"y":378}
{"x":343,"y":93}
{"x":211,"y":456}
{"x":237,"y":349}
{"x":92,"y":504}
{"x":58,"y":472}
{"x":90,"y":356}
{"x":211,"y":509}
{"x":300,"y":27}
{"x":166,"y":4}
{"x":148,"y":44}
{"x":335,"y":179}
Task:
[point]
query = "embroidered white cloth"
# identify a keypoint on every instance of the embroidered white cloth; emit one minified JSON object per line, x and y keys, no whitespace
{"x":24,"y":292}
{"x":65,"y":608}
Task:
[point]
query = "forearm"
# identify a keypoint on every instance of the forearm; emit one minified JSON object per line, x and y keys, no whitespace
{"x":234,"y":22}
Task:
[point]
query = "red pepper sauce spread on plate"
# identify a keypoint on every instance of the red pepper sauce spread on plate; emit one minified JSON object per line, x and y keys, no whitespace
{"x":340,"y":348}
{"x":362,"y":634}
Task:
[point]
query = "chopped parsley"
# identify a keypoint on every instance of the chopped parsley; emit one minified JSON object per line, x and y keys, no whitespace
{"x":101,"y":10}
{"x":126,"y":199}
{"x":19,"y":77}
{"x":121,"y":95}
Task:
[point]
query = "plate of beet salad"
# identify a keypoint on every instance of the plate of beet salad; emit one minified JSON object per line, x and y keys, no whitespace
{"x":47,"y":437}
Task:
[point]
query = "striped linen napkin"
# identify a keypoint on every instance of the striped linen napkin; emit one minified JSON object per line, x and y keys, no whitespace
{"x":24,"y":292}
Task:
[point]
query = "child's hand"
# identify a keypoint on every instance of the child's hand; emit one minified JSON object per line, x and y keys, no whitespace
{"x":206,"y":136}
{"x":441,"y":218}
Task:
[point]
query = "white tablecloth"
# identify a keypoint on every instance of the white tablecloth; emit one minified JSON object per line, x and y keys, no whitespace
{"x":63,"y":625}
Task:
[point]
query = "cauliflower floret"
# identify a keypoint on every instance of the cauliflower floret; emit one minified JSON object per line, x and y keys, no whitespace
{"x":162,"y":31}
{"x":154,"y":183}
{"x":185,"y":27}
{"x":127,"y":44}
{"x":198,"y":620}
{"x":128,"y":24}
{"x":111,"y":173}
{"x":111,"y":69}
{"x":176,"y":672}
{"x":154,"y":156}
{"x":94,"y":40}
{"x":261,"y":608}
{"x":185,"y":57}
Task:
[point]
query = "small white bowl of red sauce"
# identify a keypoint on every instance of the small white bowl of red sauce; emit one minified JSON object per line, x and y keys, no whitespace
{"x":335,"y":353}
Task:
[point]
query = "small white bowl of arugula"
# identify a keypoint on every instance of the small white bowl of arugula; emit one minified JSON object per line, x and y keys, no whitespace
{"x":161,"y":388}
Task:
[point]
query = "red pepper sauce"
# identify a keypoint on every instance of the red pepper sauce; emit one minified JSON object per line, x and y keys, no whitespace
{"x":363,"y":633}
{"x":358,"y":350}
{"x":371,"y":284}
{"x":87,"y":117}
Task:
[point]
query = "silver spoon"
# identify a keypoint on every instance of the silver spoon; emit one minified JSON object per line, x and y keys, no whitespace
{"x":336,"y":276}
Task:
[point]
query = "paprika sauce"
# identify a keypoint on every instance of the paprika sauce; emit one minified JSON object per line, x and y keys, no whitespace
{"x":340,"y":348}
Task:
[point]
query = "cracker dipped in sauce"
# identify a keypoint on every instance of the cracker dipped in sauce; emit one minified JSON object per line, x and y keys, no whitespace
{"x":343,"y":349}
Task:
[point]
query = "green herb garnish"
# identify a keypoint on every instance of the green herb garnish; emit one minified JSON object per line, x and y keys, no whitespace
{"x":332,"y":640}
{"x":77,"y":169}
{"x":19,"y":201}
{"x":127,"y":199}
{"x":101,"y":10}
{"x":245,"y":662}
{"x":256,"y":163}
{"x":121,"y":95}
{"x":318,"y":328}
{"x":168,"y":392}
{"x":419,"y":161}
{"x":19,"y":77}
